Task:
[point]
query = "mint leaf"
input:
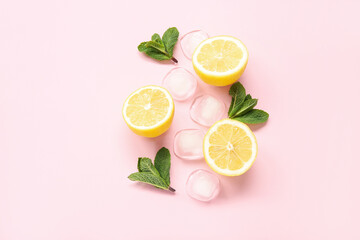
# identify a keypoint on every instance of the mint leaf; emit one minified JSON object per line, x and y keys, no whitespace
{"x":156,"y":38}
{"x":246,"y":107}
{"x":145,"y":165}
{"x":142,"y":47}
{"x":162,"y":163}
{"x":238,"y":93}
{"x":157,"y":46}
{"x":242,"y":106}
{"x":149,"y":178}
{"x":161,"y":49}
{"x":156,"y":54}
{"x":170,"y":38}
{"x":157,"y":174}
{"x":247,"y":97}
{"x":253,"y":116}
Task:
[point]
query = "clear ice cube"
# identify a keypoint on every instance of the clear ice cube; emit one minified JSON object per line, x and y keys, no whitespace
{"x":206,"y":110}
{"x":188,"y":144}
{"x":180,"y":83}
{"x":191,"y":40}
{"x":203,"y":185}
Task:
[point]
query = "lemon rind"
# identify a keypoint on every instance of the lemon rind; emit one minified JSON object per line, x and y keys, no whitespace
{"x":242,"y":63}
{"x":227,"y":172}
{"x":160,"y":123}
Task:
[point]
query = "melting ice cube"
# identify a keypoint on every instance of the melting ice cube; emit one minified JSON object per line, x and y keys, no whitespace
{"x":191,"y":40}
{"x":206,"y":110}
{"x":188,"y":144}
{"x":203,"y":185}
{"x":180,"y":83}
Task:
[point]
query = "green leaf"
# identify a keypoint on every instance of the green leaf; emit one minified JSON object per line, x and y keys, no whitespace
{"x":161,"y":49}
{"x":149,"y":178}
{"x":238,"y":93}
{"x":170,"y":38}
{"x":156,"y":38}
{"x":142,"y":47}
{"x":157,"y":46}
{"x":246,"y":107}
{"x":157,"y":175}
{"x":247,"y":97}
{"x":146,"y":165}
{"x":156,"y":54}
{"x":162,"y":163}
{"x":253,"y":116}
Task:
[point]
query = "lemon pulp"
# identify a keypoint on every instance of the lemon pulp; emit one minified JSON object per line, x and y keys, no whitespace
{"x":230,"y":147}
{"x":149,"y":111}
{"x":220,"y":60}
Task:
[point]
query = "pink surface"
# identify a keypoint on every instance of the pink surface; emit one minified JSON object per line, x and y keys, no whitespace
{"x":66,"y":67}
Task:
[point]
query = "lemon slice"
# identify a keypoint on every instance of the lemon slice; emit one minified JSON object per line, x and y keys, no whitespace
{"x":230,"y":147}
{"x":149,"y":111}
{"x":220,"y":60}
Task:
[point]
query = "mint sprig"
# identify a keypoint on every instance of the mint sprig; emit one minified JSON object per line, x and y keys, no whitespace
{"x":157,"y":174}
{"x":161,"y":48}
{"x":242,"y":106}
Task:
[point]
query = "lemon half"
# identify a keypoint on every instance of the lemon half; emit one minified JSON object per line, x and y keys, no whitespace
{"x":220,"y":60}
{"x":149,"y":111}
{"x":230,"y":147}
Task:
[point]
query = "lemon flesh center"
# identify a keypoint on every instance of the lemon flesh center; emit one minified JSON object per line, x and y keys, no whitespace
{"x":230,"y":147}
{"x":220,"y":55}
{"x":147,"y":107}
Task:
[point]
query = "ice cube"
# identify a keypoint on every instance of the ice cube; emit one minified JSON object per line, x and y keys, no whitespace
{"x":203,"y":185}
{"x":206,"y":110}
{"x":191,"y":40}
{"x":188,"y":144}
{"x":180,"y":83}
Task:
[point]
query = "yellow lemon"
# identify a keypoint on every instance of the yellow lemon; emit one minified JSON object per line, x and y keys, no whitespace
{"x":220,"y":60}
{"x":230,"y":147}
{"x":149,"y":111}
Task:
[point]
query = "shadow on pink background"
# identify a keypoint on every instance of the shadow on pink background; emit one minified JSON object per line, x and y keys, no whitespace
{"x":66,"y":68}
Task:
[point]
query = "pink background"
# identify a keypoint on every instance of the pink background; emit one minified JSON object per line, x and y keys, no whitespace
{"x":66,"y":68}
